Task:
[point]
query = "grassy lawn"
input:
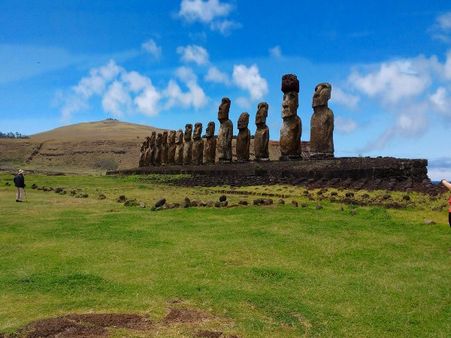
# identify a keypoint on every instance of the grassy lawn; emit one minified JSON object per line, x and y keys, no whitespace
{"x":273,"y":271}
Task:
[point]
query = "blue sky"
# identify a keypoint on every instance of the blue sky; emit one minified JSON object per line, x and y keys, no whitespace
{"x":167,"y":63}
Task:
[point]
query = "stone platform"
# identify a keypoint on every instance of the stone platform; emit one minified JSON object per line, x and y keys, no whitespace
{"x":348,"y":172}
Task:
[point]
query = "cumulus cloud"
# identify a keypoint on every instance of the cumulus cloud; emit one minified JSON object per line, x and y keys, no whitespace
{"x":275,"y":52}
{"x":441,"y":100}
{"x":345,"y":99}
{"x":216,"y":76}
{"x":249,"y":78}
{"x":211,"y":12}
{"x":151,"y":47}
{"x":345,"y":125}
{"x":193,"y":53}
{"x":441,"y":30}
{"x":127,"y":92}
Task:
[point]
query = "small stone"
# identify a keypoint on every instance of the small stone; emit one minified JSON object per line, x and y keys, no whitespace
{"x":210,"y":204}
{"x":386,"y":197}
{"x":243,"y":202}
{"x":281,"y":201}
{"x":365,"y":196}
{"x":131,"y":203}
{"x":429,"y":222}
{"x":349,"y":194}
{"x":120,"y":199}
{"x":222,"y":198}
{"x":194,"y":203}
{"x":58,"y":190}
{"x":406,"y":198}
{"x":294,"y":204}
{"x":142,"y":205}
{"x":333,"y":193}
{"x":33,"y":186}
{"x":160,"y":203}
{"x":101,"y":197}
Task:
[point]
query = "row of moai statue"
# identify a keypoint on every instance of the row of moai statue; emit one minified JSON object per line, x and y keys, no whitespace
{"x":183,"y":148}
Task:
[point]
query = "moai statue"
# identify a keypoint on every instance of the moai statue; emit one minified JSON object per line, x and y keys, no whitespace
{"x":142,"y":157}
{"x":198,"y":145}
{"x":164,"y":148}
{"x":290,"y":134}
{"x":210,"y":144}
{"x":261,"y":139}
{"x":225,"y":135}
{"x":171,"y":147}
{"x":188,"y":144}
{"x":158,"y":149}
{"x":322,"y":124}
{"x":179,"y":147}
{"x":150,"y":152}
{"x":243,"y":140}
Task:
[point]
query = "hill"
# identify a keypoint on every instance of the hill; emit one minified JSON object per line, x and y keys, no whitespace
{"x":101,"y":145}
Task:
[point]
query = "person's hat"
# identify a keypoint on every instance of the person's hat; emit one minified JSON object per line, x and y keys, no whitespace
{"x":20,"y":171}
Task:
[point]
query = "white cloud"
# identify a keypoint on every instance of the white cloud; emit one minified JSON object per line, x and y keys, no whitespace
{"x":215,"y":75}
{"x":193,"y":53}
{"x":444,"y":21}
{"x":275,"y":52}
{"x":441,"y":30}
{"x":122,"y":92}
{"x":345,"y":99}
{"x":211,"y":12}
{"x":152,"y":48}
{"x":447,"y":67}
{"x":344,"y":125}
{"x":441,"y":101}
{"x":392,"y":81}
{"x":249,"y":78}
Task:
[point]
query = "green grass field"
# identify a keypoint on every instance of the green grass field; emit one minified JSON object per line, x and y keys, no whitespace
{"x":268,"y":271}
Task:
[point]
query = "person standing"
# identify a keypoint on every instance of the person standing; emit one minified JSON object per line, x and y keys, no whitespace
{"x":19,"y":182}
{"x":446,"y":184}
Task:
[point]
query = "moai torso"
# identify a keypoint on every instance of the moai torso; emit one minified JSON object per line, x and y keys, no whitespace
{"x":198,"y":145}
{"x":261,"y":139}
{"x":158,"y":149}
{"x":142,"y":157}
{"x":171,"y":147}
{"x":243,"y":140}
{"x":210,"y":144}
{"x":164,"y":148}
{"x":225,"y":135}
{"x":290,"y":133}
{"x":322,"y":123}
{"x":179,"y":147}
{"x":188,"y":144}
{"x":150,"y":152}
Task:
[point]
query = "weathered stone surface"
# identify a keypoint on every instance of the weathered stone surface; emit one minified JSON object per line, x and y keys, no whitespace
{"x":290,"y":133}
{"x":142,"y":156}
{"x":150,"y":152}
{"x":187,"y":144}
{"x":322,"y":123}
{"x":225,"y":135}
{"x":210,"y":144}
{"x":164,"y":148}
{"x":198,"y":145}
{"x":160,"y":203}
{"x":158,"y":149}
{"x":179,"y":147}
{"x":261,"y":139}
{"x":243,"y":140}
{"x":171,"y":147}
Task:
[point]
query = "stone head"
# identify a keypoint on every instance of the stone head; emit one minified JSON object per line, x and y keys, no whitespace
{"x":179,"y":136}
{"x":165,"y":137}
{"x":322,"y":94}
{"x":223,"y":111}
{"x":188,"y":132}
{"x":171,"y":137}
{"x":210,"y":131}
{"x":153,"y":136}
{"x":262,"y":113}
{"x":290,"y":89}
{"x":243,"y":121}
{"x":197,"y":131}
{"x":159,"y":140}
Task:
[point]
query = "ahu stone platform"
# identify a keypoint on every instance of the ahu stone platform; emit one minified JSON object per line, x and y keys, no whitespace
{"x":348,"y":172}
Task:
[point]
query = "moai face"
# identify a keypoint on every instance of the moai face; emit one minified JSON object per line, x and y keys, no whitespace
{"x":165,"y":137}
{"x":159,"y":140}
{"x":322,"y":95}
{"x":210,"y":132}
{"x":197,"y":131}
{"x":290,"y":89}
{"x":171,"y":137}
{"x":243,"y":121}
{"x":188,"y":132}
{"x":223,"y":111}
{"x":179,"y":136}
{"x":153,"y":136}
{"x":262,"y":114}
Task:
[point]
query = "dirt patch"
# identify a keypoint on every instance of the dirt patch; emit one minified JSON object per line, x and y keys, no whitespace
{"x":184,"y":316}
{"x":83,"y":325}
{"x":209,"y":334}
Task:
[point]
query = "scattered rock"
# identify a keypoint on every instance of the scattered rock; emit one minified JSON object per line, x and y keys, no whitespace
{"x":142,"y":205}
{"x":160,"y":203}
{"x":222,"y":198}
{"x":186,"y":202}
{"x":386,"y":197}
{"x":365,"y":196}
{"x":349,"y":194}
{"x":294,"y":204}
{"x":243,"y":202}
{"x":210,"y":204}
{"x":334,"y":193}
{"x":429,"y":222}
{"x":281,"y":201}
{"x":120,"y":199}
{"x":58,"y":190}
{"x":131,"y":203}
{"x":33,"y":186}
{"x":101,"y":197}
{"x":406,"y":198}
{"x":194,"y":203}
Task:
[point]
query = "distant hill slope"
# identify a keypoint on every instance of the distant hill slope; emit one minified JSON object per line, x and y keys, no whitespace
{"x":93,"y":145}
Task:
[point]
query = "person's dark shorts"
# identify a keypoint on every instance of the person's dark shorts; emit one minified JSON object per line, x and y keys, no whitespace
{"x":449,"y":218}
